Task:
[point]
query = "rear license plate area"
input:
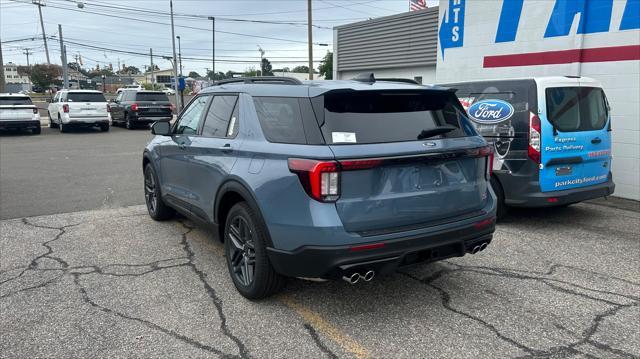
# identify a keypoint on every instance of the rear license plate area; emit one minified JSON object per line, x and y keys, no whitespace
{"x":564,"y":170}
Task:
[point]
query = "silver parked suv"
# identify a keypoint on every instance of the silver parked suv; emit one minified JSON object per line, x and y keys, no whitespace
{"x":328,"y":179}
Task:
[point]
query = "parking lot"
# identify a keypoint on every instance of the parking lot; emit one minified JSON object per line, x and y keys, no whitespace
{"x":84,"y":272}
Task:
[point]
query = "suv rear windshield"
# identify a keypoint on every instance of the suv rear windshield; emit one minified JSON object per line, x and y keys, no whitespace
{"x":572,"y":109}
{"x":152,"y":96}
{"x":85,"y":97}
{"x":389,"y":116}
{"x":15,"y":100}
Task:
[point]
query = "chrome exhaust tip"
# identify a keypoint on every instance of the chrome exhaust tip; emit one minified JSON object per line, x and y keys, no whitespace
{"x":483,"y":246}
{"x":475,"y":250}
{"x":352,"y":279}
{"x":369,"y":275}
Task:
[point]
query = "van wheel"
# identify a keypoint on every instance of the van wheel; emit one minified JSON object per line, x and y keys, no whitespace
{"x":502,"y":207}
{"x":246,"y":253}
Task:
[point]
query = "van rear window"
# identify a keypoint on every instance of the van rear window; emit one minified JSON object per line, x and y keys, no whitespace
{"x":572,"y":109}
{"x":15,"y":101}
{"x":85,"y":97}
{"x":389,"y":116}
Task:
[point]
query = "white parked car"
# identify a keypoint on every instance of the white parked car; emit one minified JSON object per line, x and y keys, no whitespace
{"x":17,"y":111}
{"x":85,"y":108}
{"x":169,"y":91}
{"x":130,"y":87}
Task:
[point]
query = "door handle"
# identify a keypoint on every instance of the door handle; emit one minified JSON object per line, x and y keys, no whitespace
{"x":225,"y":148}
{"x":596,"y":140}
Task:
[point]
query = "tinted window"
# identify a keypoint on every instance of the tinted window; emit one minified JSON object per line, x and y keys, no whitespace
{"x":280,"y":119}
{"x":388,"y":116}
{"x":152,"y":96}
{"x":86,"y":97}
{"x":218,"y":116}
{"x":191,"y":116}
{"x":15,"y":100}
{"x":572,"y":109}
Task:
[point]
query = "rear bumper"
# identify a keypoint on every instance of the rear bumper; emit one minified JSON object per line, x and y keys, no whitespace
{"x":336,"y":261}
{"x":535,"y":198}
{"x":85,"y":121}
{"x":149,"y":119}
{"x":17,"y":124}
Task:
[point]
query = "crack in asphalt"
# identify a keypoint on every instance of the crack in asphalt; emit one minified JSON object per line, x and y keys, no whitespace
{"x":217,"y":302}
{"x":586,"y":335}
{"x":316,"y":339}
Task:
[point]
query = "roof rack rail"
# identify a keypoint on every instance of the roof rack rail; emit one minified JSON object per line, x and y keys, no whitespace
{"x":368,"y":77}
{"x":277,"y":80}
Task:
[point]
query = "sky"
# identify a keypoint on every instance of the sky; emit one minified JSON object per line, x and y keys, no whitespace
{"x":134,"y":26}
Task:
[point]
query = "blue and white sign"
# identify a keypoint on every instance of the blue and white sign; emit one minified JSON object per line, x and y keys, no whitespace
{"x":451,"y":32}
{"x":490,"y":111}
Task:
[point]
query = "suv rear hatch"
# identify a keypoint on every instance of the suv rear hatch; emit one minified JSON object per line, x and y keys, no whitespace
{"x":408,"y":159}
{"x":86,"y":104}
{"x":153,"y":104}
{"x":16,"y":108}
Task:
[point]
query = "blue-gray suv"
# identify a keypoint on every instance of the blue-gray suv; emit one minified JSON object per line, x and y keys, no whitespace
{"x":327,"y":179}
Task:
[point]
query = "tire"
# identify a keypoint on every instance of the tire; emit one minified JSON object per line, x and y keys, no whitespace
{"x":502,"y":207}
{"x":36,"y":130}
{"x":157,"y":209}
{"x":63,"y":128}
{"x":127,"y":122}
{"x":104,"y":127}
{"x":246,"y":253}
{"x":51,"y":123}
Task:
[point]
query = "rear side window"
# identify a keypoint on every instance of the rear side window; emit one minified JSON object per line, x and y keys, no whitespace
{"x":389,"y":116}
{"x":217,"y":123}
{"x":280,"y":119}
{"x":152,"y":96}
{"x":85,"y":97}
{"x":572,"y":109}
{"x":15,"y":101}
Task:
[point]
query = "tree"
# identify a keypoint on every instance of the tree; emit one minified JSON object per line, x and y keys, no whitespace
{"x":250,"y":72}
{"x":193,"y":74}
{"x":98,"y":73}
{"x":326,"y":66}
{"x":42,"y":75}
{"x":301,"y":69}
{"x":130,"y":70}
{"x":215,"y":76}
{"x":76,"y":66}
{"x":266,"y":68}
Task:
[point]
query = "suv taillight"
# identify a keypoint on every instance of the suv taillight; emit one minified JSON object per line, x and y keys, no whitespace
{"x":320,"y":179}
{"x":65,"y":108}
{"x":534,"y":138}
{"x":134,"y":107}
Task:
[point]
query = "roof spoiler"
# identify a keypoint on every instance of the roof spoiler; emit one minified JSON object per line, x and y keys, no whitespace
{"x":271,"y":80}
{"x":368,"y":77}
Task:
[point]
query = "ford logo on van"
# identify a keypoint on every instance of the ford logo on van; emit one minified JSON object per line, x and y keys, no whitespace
{"x":490,"y":111}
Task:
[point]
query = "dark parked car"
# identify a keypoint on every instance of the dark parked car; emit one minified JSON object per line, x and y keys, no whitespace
{"x":330,"y":179}
{"x":134,"y":108}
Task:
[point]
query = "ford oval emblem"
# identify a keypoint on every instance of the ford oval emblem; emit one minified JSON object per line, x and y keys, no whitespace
{"x":429,"y":144}
{"x":490,"y":111}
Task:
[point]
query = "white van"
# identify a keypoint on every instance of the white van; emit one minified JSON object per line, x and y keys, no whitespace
{"x":86,"y":108}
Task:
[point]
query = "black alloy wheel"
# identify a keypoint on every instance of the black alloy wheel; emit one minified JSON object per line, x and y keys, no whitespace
{"x":243,"y":253}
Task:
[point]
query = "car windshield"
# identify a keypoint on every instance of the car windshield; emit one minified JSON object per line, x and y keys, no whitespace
{"x":14,"y":100}
{"x":390,"y":116}
{"x":85,"y":97}
{"x":152,"y":96}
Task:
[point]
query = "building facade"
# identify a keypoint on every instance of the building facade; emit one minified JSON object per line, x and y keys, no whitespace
{"x":13,"y":80}
{"x":497,"y":39}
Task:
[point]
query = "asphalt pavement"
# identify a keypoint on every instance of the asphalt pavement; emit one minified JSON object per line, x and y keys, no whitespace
{"x":84,"y":273}
{"x":66,"y":172}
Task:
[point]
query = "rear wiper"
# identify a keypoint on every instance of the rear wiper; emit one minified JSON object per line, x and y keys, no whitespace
{"x":436,"y":131}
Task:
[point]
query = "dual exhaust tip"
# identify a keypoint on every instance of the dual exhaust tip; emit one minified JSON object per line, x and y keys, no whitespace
{"x":479,"y":248}
{"x":355,"y":277}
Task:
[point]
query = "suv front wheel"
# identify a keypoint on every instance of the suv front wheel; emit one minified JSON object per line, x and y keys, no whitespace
{"x":246,"y":253}
{"x":156,"y":207}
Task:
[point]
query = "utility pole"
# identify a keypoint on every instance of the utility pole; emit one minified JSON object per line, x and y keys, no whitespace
{"x":28,"y":52}
{"x":40,"y":4}
{"x":153,"y":83}
{"x":261,"y":57}
{"x":180,"y":59}
{"x":213,"y":47}
{"x":175,"y":62}
{"x":63,"y":57}
{"x":77,"y":57}
{"x":2,"y":84}
{"x":310,"y":38}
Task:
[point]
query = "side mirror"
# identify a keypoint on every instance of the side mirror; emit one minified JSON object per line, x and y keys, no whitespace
{"x":162,"y":128}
